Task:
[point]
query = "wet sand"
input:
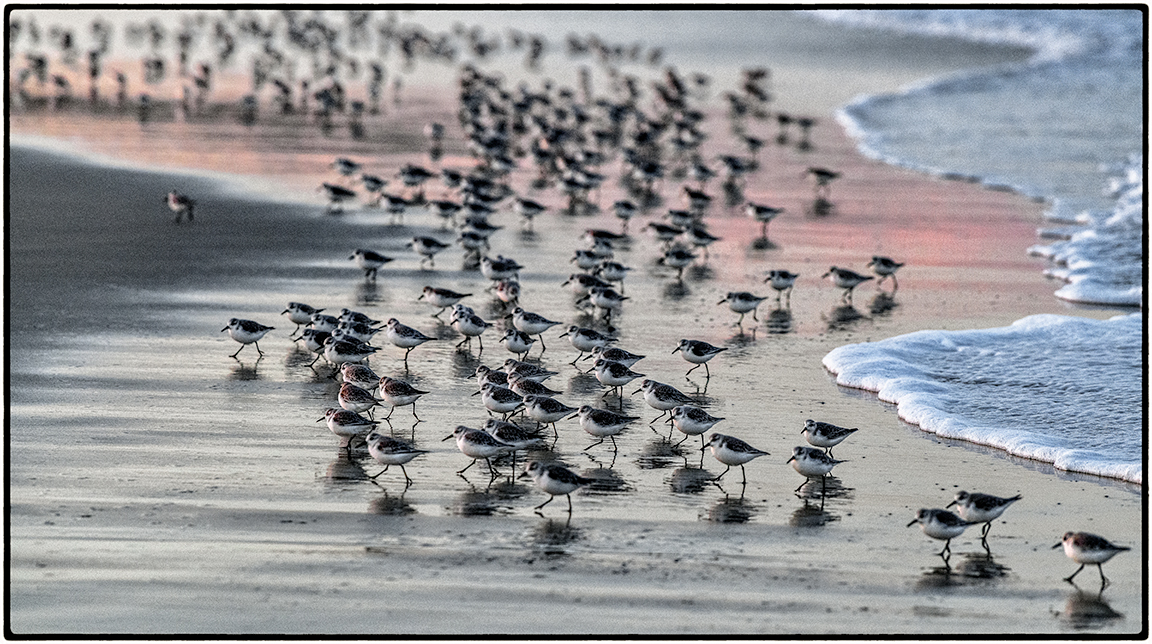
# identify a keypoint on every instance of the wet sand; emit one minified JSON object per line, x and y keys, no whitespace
{"x":158,"y":486}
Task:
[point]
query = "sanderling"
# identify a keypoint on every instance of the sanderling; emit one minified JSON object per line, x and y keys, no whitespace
{"x":555,"y":480}
{"x":823,"y":177}
{"x":825,"y":435}
{"x":885,"y":267}
{"x":477,"y":444}
{"x":615,"y":354}
{"x":528,"y":209}
{"x":513,"y":435}
{"x":732,"y":451}
{"x":347,"y":424}
{"x":532,"y":323}
{"x":359,"y":375}
{"x":581,"y":283}
{"x":602,"y":423}
{"x":246,"y":332}
{"x":981,"y":508}
{"x":678,"y":258}
{"x":741,"y":302}
{"x":546,"y":410}
{"x":847,"y":280}
{"x":300,"y":314}
{"x":369,"y":261}
{"x":697,"y":200}
{"x":470,"y":326}
{"x":499,"y":399}
{"x":939,"y":524}
{"x":441,"y":297}
{"x":345,"y":166}
{"x":527,"y":369}
{"x":390,"y":451}
{"x":698,"y":352}
{"x":337,"y":195}
{"x":763,"y":214}
{"x":484,"y":374}
{"x":614,"y":374}
{"x":398,"y":394}
{"x":624,"y":210}
{"x":180,"y":204}
{"x":405,"y":337}
{"x":357,"y":330}
{"x":693,"y":421}
{"x":339,"y":352}
{"x":665,"y":233}
{"x":661,"y":396}
{"x":1087,"y":548}
{"x":607,"y":300}
{"x":782,"y":281}
{"x":445,"y":209}
{"x":427,"y":247}
{"x":356,"y":399}
{"x":584,"y":340}
{"x":507,"y":291}
{"x":701,"y":238}
{"x":500,"y":268}
{"x":812,"y":463}
{"x":681,"y":219}
{"x":348,"y":315}
{"x":585,"y":259}
{"x":325,"y":323}
{"x":472,"y":242}
{"x":314,"y":342}
{"x":612,"y":271}
{"x":527,"y":387}
{"x":517,"y":342}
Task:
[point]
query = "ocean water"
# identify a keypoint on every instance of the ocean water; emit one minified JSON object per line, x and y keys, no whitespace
{"x":1065,"y":126}
{"x":1052,"y":388}
{"x":1056,"y":127}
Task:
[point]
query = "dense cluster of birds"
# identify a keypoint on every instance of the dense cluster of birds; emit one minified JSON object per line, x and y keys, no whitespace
{"x":555,"y":138}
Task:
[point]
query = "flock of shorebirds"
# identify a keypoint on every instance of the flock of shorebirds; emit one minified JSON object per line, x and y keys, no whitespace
{"x":567,"y":136}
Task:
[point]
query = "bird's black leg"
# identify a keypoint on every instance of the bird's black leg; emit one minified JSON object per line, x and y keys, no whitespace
{"x":1069,"y":578}
{"x":726,"y":468}
{"x":466,"y":467}
{"x":537,"y":508}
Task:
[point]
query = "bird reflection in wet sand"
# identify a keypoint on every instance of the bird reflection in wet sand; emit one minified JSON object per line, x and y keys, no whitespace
{"x":550,"y":536}
{"x":843,"y":317}
{"x":242,"y":372}
{"x":811,"y":515}
{"x":368,"y":293}
{"x":690,"y":480}
{"x":657,"y":454}
{"x":882,"y":304}
{"x":779,"y":320}
{"x":980,"y":565}
{"x":729,"y":510}
{"x":820,"y":207}
{"x":1087,"y":610}
{"x":389,"y":505}
{"x":976,"y":568}
{"x":475,"y":503}
{"x":344,"y":469}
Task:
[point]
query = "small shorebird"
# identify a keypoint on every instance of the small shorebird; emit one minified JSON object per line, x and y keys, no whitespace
{"x":699,"y":353}
{"x":782,"y":281}
{"x":741,"y":302}
{"x":824,"y":178}
{"x":1086,"y":548}
{"x":398,"y":394}
{"x":732,"y":451}
{"x":554,"y":479}
{"x":499,"y":399}
{"x":405,"y":337}
{"x":584,"y":340}
{"x":337,"y":195}
{"x":356,"y":400}
{"x":692,"y":421}
{"x":477,"y":444}
{"x":615,"y":354}
{"x":825,"y":435}
{"x":441,"y":297}
{"x":180,"y":204}
{"x":427,"y":247}
{"x":602,"y":423}
{"x":763,"y":214}
{"x":812,"y":463}
{"x":369,"y":261}
{"x":546,"y":410}
{"x":347,"y":425}
{"x":300,"y":314}
{"x":940,"y":524}
{"x":389,"y":451}
{"x":661,"y":396}
{"x":981,"y":508}
{"x":246,"y":332}
{"x":847,"y":280}
{"x":532,"y":324}
{"x":885,"y":267}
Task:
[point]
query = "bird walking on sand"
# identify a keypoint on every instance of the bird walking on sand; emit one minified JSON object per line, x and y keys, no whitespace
{"x":812,"y":463}
{"x":782,"y":281}
{"x":1086,"y":548}
{"x":825,"y":435}
{"x":824,"y":178}
{"x":977,"y":508}
{"x":246,"y":332}
{"x":554,"y":479}
{"x":763,"y":214}
{"x":369,"y":261}
{"x":300,"y":314}
{"x":389,"y":451}
{"x":180,"y":204}
{"x":398,"y":394}
{"x":885,"y":267}
{"x":741,"y":302}
{"x":698,"y":352}
{"x":847,"y":280}
{"x":940,"y":524}
{"x":732,"y":451}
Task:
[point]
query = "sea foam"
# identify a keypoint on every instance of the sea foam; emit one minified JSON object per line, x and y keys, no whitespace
{"x":1051,"y":388}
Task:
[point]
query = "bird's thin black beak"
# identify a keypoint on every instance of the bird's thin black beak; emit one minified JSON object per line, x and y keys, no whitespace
{"x":913,"y":522}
